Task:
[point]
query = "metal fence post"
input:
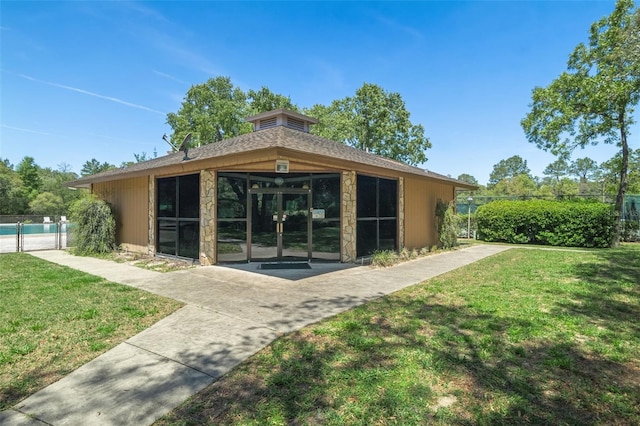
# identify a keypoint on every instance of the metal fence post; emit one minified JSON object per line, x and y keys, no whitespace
{"x":19,"y":237}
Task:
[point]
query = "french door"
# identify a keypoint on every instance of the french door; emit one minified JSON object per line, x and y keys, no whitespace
{"x":280,"y":225}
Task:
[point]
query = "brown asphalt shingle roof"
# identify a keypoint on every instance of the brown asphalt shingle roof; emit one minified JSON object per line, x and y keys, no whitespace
{"x":276,"y":137}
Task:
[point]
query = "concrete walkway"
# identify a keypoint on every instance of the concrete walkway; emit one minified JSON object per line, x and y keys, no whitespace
{"x":230,"y":314}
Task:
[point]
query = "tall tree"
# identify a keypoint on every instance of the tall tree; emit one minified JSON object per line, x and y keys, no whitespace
{"x":211,"y":111}
{"x":583,"y":168}
{"x":216,"y":110}
{"x":465,"y":177}
{"x":27,"y":169}
{"x":521,"y":185}
{"x":93,"y":166}
{"x":608,"y":173}
{"x":265,"y":100}
{"x":53,"y":182}
{"x":557,"y":169}
{"x":593,"y":101}
{"x":507,"y":169}
{"x":47,"y":203}
{"x":376,"y":121}
{"x":12,"y":193}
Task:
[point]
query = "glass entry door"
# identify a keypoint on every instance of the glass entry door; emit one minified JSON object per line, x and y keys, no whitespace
{"x":280,"y":222}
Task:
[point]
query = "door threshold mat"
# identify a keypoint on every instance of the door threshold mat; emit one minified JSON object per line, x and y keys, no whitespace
{"x":285,"y":266}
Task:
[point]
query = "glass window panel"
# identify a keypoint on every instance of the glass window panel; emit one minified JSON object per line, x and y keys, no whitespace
{"x":326,"y":195}
{"x":232,"y":197}
{"x":167,"y":197}
{"x":388,"y":197}
{"x":367,"y":241}
{"x":263,"y":225}
{"x":189,"y":239}
{"x":366,"y":188}
{"x":326,"y":239}
{"x":189,"y":194}
{"x":388,"y":234}
{"x":167,"y":237}
{"x":232,"y":241}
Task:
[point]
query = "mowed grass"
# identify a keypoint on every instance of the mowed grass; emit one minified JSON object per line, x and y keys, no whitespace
{"x":53,"y":319}
{"x":529,"y":336}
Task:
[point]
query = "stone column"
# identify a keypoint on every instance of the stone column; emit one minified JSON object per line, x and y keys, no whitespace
{"x":207,"y":217}
{"x":400,"y":213}
{"x":152,"y":216}
{"x":349,"y":217}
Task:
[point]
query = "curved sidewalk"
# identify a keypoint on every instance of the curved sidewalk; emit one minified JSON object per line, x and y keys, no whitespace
{"x":229,"y":315}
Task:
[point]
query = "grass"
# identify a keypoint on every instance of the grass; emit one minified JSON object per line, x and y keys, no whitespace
{"x":524,"y":337}
{"x":55,"y":319}
{"x":144,"y":261}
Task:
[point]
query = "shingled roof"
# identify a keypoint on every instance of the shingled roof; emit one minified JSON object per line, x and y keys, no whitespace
{"x":275,"y":137}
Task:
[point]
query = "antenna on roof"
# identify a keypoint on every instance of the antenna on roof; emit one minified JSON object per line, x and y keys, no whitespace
{"x":184,"y":147}
{"x":171,"y":144}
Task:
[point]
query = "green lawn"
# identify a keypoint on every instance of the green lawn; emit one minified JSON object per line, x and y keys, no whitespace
{"x":528,"y":336}
{"x":53,"y":319}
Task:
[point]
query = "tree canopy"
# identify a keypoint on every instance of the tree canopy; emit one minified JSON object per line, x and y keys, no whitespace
{"x":93,"y":166}
{"x":373,"y":120}
{"x":216,"y":110}
{"x":28,"y":172}
{"x":557,"y":169}
{"x":508,"y":169}
{"x":593,"y":101}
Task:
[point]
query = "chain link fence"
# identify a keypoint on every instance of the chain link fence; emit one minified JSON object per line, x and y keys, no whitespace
{"x":30,"y":233}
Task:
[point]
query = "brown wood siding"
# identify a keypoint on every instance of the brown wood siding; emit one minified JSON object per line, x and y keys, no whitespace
{"x":420,"y":200}
{"x":129,"y":200}
{"x":264,"y":160}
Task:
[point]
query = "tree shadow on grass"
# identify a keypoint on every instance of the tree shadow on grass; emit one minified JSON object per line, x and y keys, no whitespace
{"x":612,"y":297}
{"x":423,"y":362}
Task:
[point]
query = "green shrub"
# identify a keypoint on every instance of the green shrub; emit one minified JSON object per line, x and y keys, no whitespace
{"x":94,"y":226}
{"x":384,"y":258}
{"x":447,"y":224}
{"x":558,"y":223}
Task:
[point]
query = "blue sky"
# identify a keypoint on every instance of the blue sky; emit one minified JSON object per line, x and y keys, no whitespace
{"x":83,"y":80}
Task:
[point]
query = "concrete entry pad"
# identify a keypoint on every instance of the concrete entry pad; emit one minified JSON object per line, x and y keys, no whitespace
{"x":230,"y":314}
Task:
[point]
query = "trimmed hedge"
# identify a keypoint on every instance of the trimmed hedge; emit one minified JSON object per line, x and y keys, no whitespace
{"x":582,"y":223}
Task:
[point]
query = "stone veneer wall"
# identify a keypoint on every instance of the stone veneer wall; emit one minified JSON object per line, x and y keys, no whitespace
{"x":207,"y":217}
{"x":400,"y":213}
{"x":152,"y":215}
{"x":349,"y":217}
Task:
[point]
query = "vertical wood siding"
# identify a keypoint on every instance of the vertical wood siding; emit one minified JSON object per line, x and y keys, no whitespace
{"x":420,"y":200}
{"x":129,"y":200}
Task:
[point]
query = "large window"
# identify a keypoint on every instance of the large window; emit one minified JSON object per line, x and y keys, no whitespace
{"x":377,"y":227}
{"x":178,"y":216}
{"x":325,"y":195}
{"x":232,"y":217}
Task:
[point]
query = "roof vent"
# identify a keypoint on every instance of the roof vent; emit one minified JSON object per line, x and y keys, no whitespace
{"x":294,"y":123}
{"x":281,"y":117}
{"x":268,"y":122}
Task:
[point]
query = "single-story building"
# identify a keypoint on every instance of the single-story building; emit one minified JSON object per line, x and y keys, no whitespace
{"x":277,"y":194}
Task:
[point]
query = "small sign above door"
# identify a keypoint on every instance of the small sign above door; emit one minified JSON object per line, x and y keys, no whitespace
{"x":282,"y":166}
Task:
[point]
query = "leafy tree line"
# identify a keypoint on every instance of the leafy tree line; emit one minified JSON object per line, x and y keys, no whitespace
{"x":30,"y":189}
{"x":373,"y":119}
{"x":512,"y":177}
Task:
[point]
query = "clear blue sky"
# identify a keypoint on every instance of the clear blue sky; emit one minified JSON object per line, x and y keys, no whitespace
{"x":83,"y":80}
